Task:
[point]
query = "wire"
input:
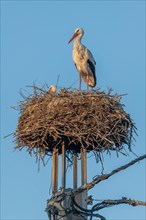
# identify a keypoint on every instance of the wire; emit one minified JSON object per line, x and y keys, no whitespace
{"x":77,"y":209}
{"x":87,"y":212}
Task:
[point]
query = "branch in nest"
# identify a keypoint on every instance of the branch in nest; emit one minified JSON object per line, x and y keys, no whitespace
{"x":106,"y":176}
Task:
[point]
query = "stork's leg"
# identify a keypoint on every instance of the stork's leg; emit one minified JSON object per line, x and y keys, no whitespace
{"x":87,"y":83}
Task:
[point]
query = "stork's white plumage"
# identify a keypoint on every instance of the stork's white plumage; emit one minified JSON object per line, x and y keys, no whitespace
{"x":83,"y":59}
{"x":52,"y":89}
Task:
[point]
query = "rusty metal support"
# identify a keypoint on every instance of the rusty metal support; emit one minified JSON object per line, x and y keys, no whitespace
{"x":75,"y":171}
{"x":83,"y":166}
{"x":63,"y":166}
{"x":61,"y":199}
{"x":55,"y":171}
{"x":84,"y":176}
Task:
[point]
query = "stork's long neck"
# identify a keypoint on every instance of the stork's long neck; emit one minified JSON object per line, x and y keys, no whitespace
{"x":77,"y":41}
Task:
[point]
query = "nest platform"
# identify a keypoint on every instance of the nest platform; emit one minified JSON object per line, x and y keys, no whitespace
{"x":93,"y":119}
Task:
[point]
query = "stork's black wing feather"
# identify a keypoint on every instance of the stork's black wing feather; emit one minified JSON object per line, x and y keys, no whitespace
{"x":92,"y":67}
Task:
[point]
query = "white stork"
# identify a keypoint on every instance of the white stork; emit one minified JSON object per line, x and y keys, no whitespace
{"x":83,"y":60}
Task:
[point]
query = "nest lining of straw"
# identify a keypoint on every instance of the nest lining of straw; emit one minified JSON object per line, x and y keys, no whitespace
{"x":92,"y":119}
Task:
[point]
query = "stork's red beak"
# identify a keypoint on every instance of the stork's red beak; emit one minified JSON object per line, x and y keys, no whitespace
{"x":75,"y":35}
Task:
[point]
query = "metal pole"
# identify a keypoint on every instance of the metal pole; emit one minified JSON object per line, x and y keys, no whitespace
{"x":55,"y":171}
{"x":83,"y":166}
{"x":63,"y":166}
{"x":62,"y":205}
{"x":75,"y":171}
{"x":84,"y":176}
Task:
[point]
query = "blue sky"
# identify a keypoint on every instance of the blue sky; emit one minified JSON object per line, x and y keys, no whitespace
{"x":34,"y":37}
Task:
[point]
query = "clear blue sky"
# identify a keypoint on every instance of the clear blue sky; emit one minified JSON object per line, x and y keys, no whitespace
{"x":34,"y":36}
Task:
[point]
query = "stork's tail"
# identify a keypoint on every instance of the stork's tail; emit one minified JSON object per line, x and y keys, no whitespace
{"x":91,"y":81}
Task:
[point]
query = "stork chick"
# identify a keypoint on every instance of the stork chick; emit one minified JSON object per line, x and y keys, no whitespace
{"x":52,"y":89}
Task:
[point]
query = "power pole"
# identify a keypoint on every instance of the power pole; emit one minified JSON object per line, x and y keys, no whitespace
{"x":60,"y":206}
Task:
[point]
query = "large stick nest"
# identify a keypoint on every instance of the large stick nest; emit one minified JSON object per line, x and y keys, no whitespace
{"x":92,"y":119}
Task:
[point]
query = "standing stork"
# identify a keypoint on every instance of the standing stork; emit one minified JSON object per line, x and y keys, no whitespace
{"x":83,"y":60}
